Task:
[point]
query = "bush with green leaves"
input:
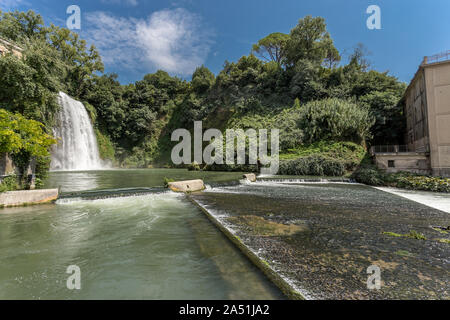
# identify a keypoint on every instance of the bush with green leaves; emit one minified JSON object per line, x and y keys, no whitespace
{"x":312,"y":166}
{"x":194,"y":166}
{"x":23,"y":140}
{"x":348,"y":152}
{"x":369,"y":175}
{"x":167,"y":181}
{"x":335,"y":119}
{"x":9,"y":183}
{"x":415,"y":182}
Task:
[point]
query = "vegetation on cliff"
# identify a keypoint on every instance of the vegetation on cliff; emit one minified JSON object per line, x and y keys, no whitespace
{"x":295,"y":82}
{"x":24,"y":140}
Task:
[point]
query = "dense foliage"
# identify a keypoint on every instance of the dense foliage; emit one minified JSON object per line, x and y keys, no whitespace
{"x":313,"y":166}
{"x":371,"y":175}
{"x":23,"y":140}
{"x":293,"y":82}
{"x":56,"y":59}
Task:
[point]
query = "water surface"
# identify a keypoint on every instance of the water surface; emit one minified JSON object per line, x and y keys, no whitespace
{"x":157,"y":246}
{"x":133,"y":178}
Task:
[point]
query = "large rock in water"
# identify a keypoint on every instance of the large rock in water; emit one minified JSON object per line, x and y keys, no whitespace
{"x":250,"y":177}
{"x":187,"y":186}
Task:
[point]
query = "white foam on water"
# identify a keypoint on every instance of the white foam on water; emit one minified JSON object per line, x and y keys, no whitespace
{"x":136,"y":199}
{"x":436,"y":200}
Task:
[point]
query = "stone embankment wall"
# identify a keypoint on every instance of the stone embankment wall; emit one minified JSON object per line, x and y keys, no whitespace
{"x":28,"y":197}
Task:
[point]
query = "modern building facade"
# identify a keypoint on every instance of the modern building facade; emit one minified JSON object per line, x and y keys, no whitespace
{"x":427,"y":111}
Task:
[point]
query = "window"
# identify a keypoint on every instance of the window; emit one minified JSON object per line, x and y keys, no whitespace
{"x":391,"y":163}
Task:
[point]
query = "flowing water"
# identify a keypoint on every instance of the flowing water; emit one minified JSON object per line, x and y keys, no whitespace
{"x":77,"y":146}
{"x":343,"y":229}
{"x":132,"y":178}
{"x":155,"y":246}
{"x":160,"y":246}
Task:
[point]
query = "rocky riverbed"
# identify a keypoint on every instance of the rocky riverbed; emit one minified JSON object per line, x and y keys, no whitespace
{"x":322,"y":237}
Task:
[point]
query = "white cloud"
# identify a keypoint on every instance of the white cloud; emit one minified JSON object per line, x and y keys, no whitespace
{"x":126,"y":2}
{"x":10,"y":4}
{"x":172,"y":40}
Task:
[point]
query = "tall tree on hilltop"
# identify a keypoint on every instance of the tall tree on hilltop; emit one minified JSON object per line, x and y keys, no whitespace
{"x":309,"y":40}
{"x":272,"y":47}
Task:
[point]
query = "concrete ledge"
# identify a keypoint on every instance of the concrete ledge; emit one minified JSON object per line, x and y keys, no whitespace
{"x":250,"y":177}
{"x":27,"y":197}
{"x":264,"y":266}
{"x":187,"y":186}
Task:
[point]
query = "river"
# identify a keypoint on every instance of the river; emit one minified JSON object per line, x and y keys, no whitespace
{"x":152,"y":246}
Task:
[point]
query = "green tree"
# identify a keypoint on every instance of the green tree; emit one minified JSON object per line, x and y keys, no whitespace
{"x":19,"y":26}
{"x":202,"y":80}
{"x":81,"y":62}
{"x":332,"y":57}
{"x":272,"y":47}
{"x":23,"y":139}
{"x":309,"y":40}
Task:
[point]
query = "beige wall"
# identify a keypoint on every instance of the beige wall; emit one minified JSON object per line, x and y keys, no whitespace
{"x":410,"y":162}
{"x":437,"y":78}
{"x":6,"y":165}
{"x":416,"y":115}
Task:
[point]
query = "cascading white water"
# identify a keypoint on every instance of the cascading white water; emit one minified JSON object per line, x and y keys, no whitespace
{"x":77,"y":148}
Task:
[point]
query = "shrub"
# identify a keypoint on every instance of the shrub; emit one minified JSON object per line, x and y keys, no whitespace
{"x":312,"y":166}
{"x":425,"y":183}
{"x":335,"y":119}
{"x":105,"y":146}
{"x":9,"y":184}
{"x":167,"y":181}
{"x":369,"y":175}
{"x":194,"y":166}
{"x":350,"y":153}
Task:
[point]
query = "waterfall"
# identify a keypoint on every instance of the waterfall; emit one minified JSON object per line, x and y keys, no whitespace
{"x":77,"y":148}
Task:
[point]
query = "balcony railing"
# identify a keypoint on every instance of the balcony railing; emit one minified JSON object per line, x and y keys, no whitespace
{"x":443,"y":56}
{"x":389,"y":149}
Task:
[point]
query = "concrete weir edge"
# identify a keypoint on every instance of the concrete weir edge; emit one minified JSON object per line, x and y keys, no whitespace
{"x":28,"y":197}
{"x":270,"y":273}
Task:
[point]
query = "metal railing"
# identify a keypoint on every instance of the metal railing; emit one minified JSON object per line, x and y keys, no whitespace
{"x":443,"y":56}
{"x":389,"y":149}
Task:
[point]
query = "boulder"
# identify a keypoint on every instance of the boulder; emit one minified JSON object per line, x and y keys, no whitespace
{"x":187,"y":186}
{"x":250,"y":177}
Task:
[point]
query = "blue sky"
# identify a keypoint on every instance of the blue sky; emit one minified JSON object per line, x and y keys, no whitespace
{"x":136,"y":37}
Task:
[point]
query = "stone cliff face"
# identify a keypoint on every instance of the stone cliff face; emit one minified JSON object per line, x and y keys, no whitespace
{"x":6,"y":47}
{"x":6,"y":165}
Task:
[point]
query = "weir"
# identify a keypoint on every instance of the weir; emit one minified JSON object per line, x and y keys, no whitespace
{"x":77,"y":148}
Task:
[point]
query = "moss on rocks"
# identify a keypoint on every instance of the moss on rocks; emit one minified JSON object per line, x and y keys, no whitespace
{"x":262,"y":227}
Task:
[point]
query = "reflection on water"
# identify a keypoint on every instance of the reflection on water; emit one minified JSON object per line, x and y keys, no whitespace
{"x":148,"y":247}
{"x":75,"y":181}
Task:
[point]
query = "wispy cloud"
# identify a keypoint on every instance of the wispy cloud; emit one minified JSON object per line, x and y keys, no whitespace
{"x":172,"y":40}
{"x":10,"y":4}
{"x":126,"y":2}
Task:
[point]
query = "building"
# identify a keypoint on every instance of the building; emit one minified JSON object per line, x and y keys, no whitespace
{"x":6,"y":46}
{"x":427,"y":111}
